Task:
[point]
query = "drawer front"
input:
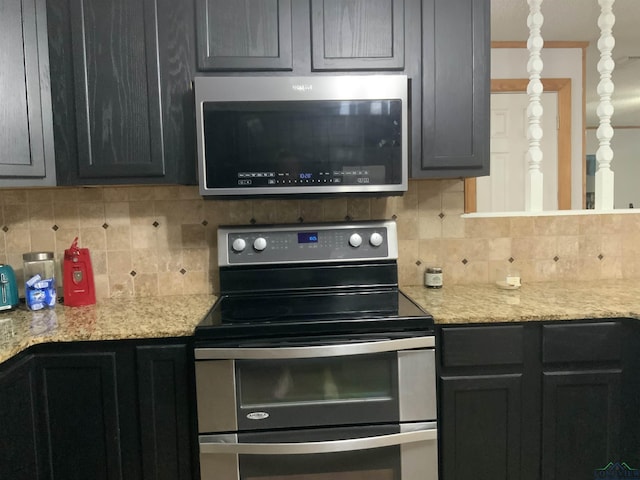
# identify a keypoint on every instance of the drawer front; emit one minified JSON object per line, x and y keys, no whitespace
{"x":482,"y":345}
{"x":591,"y":342}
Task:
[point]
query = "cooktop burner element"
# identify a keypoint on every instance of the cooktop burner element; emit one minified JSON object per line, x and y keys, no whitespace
{"x":315,"y":279}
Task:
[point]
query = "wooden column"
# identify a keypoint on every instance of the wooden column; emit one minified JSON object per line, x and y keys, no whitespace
{"x":533,"y":180}
{"x":604,"y":154}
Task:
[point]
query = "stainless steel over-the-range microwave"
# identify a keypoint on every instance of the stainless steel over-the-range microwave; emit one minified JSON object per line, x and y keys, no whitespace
{"x":264,"y":135}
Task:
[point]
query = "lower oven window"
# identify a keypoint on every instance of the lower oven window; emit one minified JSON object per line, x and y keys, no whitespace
{"x":274,"y":382}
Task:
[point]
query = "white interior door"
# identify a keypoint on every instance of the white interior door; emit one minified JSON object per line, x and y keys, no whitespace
{"x":504,"y":189}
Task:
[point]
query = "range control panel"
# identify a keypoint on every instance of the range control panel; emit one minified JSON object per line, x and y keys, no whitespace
{"x":305,"y":243}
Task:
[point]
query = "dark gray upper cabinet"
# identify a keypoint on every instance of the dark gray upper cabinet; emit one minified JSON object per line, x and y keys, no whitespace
{"x":244,"y":35}
{"x":357,"y":34}
{"x":452,"y":139}
{"x":121,"y":76}
{"x":301,"y":36}
{"x":26,"y":130}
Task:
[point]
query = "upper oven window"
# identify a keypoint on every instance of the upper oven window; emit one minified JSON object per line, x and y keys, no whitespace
{"x":316,"y":380}
{"x":332,"y":390}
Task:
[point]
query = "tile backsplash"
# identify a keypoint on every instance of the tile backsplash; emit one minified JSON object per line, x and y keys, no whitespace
{"x":159,"y":240}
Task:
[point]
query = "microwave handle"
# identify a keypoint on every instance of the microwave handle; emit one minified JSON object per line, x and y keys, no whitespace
{"x":213,"y":444}
{"x":314,"y":351}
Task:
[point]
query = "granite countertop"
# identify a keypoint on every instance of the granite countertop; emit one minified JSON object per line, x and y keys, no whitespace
{"x":112,"y":319}
{"x":176,"y":316}
{"x":531,"y":302}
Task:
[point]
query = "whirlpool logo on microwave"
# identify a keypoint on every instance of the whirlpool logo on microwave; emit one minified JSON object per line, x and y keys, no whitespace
{"x":302,"y":87}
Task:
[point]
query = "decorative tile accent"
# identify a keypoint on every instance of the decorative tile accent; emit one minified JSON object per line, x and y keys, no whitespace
{"x":441,"y":215}
{"x":418,"y":263}
{"x":394,"y":217}
{"x":511,"y":259}
{"x":600,"y":257}
{"x":556,"y":258}
{"x":347,"y":218}
{"x":252,"y":221}
{"x":55,"y":228}
{"x":133,"y":273}
{"x":5,"y":229}
{"x":105,"y":225}
{"x":155,"y":224}
{"x":205,"y":223}
{"x":465,"y":261}
{"x":183,"y":271}
{"x":300,"y":220}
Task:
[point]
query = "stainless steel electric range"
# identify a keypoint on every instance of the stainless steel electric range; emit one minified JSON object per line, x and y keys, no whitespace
{"x":312,"y":364}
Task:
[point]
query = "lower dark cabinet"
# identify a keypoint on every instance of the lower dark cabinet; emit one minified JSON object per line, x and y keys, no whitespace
{"x":98,"y":410}
{"x":539,"y":401}
{"x":163,"y":390}
{"x":18,"y":446}
{"x":480,"y":426}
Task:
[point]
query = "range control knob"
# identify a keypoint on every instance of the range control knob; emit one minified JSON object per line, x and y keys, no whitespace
{"x":259,"y":244}
{"x":355,"y":240}
{"x":238,"y":245}
{"x":376,"y":239}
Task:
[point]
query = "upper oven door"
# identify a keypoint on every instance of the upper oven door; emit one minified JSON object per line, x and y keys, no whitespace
{"x":386,"y":381}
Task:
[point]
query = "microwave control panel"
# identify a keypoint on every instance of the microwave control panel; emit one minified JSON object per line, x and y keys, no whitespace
{"x":307,"y":243}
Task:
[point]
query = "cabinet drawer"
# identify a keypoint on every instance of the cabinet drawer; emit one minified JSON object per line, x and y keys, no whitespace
{"x":486,"y":345}
{"x":592,"y":342}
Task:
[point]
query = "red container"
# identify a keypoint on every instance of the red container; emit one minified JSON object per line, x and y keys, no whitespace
{"x":79,"y":287}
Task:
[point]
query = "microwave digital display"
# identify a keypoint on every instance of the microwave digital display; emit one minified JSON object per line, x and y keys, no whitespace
{"x":278,"y":144}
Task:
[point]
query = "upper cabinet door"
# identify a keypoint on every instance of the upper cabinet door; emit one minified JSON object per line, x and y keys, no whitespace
{"x":121,"y":74}
{"x":26,"y":126}
{"x":357,"y":34}
{"x":117,"y":88}
{"x":244,"y":35}
{"x":455,"y":90}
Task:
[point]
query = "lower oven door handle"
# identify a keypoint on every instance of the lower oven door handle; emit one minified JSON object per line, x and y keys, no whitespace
{"x":314,"y":351}
{"x":332,"y":446}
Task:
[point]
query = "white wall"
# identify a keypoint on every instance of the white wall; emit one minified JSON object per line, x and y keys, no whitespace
{"x":625,"y":165}
{"x":558,"y":63}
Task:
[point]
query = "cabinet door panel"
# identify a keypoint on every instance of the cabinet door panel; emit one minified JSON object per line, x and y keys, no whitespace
{"x":79,"y":413}
{"x":164,"y":412}
{"x":26,"y":126}
{"x":455,"y":89}
{"x":580,"y":423}
{"x":117,"y":88}
{"x":480,"y":426}
{"x":357,"y":34}
{"x":244,"y":35}
{"x":18,"y":451}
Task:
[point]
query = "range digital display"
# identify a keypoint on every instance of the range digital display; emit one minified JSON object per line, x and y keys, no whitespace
{"x":307,"y":237}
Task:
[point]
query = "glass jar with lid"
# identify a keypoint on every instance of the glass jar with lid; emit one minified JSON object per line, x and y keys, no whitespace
{"x":39,"y":280}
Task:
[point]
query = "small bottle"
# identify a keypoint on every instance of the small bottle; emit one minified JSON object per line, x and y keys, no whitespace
{"x":433,"y":277}
{"x":39,"y":280}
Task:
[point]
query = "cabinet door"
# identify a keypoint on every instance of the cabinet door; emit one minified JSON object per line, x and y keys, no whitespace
{"x":79,"y":414}
{"x":455,"y":90}
{"x":580,"y":422}
{"x":121,"y":73}
{"x":26,"y":125}
{"x":164,"y":412}
{"x":357,"y":34}
{"x":480,"y":427}
{"x":18,"y":450}
{"x":244,"y":35}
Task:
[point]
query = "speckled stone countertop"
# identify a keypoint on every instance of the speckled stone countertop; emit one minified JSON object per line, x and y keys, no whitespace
{"x":176,"y":316}
{"x":531,"y":302}
{"x":112,"y":319}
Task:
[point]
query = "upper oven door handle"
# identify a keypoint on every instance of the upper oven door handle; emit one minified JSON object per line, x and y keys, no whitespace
{"x":228,"y":444}
{"x":314,"y":351}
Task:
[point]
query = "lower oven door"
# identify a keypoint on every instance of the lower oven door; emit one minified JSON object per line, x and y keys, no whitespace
{"x":400,"y":452}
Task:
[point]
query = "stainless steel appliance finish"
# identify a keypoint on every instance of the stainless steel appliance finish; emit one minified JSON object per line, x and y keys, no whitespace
{"x":312,"y":364}
{"x":302,"y":135}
